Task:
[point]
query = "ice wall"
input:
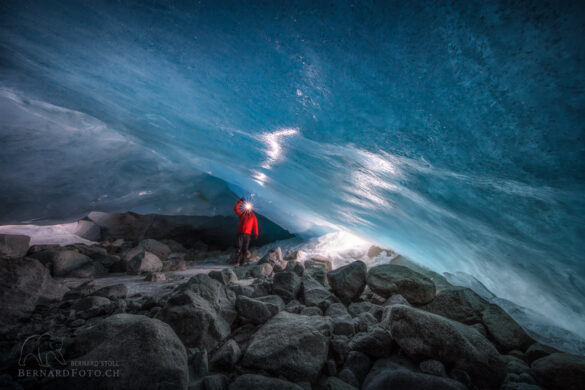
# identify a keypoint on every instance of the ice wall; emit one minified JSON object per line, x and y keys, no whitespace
{"x":451,"y":132}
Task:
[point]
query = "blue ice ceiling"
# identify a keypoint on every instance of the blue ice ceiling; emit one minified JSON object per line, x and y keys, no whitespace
{"x":450,"y":131}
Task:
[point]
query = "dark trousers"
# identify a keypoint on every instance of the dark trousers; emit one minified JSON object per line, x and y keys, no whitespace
{"x":243,"y":246}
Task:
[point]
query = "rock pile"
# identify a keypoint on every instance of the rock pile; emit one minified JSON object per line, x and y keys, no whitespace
{"x":277,"y":324}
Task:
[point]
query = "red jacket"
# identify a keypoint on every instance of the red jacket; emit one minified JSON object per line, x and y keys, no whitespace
{"x":248,"y":222}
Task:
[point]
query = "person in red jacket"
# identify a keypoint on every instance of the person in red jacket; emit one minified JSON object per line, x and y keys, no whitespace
{"x":247,"y":227}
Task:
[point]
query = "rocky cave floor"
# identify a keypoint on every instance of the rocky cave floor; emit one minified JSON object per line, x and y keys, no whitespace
{"x":166,"y":317}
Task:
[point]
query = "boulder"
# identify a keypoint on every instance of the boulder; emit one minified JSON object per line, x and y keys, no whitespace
{"x":64,"y":262}
{"x":144,"y":262}
{"x":321,"y":262}
{"x":336,"y":310}
{"x":388,"y":279}
{"x":294,"y":255}
{"x":333,"y":383}
{"x":259,"y":382}
{"x":274,"y":258}
{"x":348,"y":282}
{"x":260,"y":270}
{"x":210,"y":382}
{"x":459,"y":304}
{"x":376,"y":343}
{"x":93,"y":269}
{"x":14,"y":245}
{"x":344,"y":325}
{"x":195,"y":320}
{"x":537,"y":351}
{"x":88,"y":230}
{"x":311,"y":311}
{"x":359,"y":365}
{"x":148,"y":352}
{"x":225,"y":276}
{"x":291,"y":345}
{"x":295,"y":266}
{"x":92,"y":306}
{"x":24,"y":283}
{"x":422,"y":335}
{"x":560,"y":371}
{"x":116,"y":291}
{"x":221,"y":298}
{"x":225,"y":358}
{"x":243,"y":271}
{"x":504,"y":330}
{"x":259,"y":310}
{"x":433,"y":367}
{"x":155,"y":277}
{"x":388,"y":375}
{"x":314,"y":294}
{"x":174,"y":265}
{"x":160,"y":250}
{"x":286,"y":285}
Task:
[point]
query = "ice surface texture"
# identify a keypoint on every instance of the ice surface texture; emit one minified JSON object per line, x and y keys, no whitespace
{"x":451,"y":132}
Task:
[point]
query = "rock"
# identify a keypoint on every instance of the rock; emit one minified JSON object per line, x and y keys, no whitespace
{"x":221,"y":298}
{"x":294,"y":255}
{"x":24,"y":283}
{"x":160,"y":250}
{"x":226,"y":356}
{"x":321,"y":262}
{"x":64,"y":262}
{"x":195,"y":320}
{"x":459,"y":304}
{"x":144,"y":262}
{"x":14,"y":245}
{"x":239,"y":289}
{"x":92,"y":306}
{"x":155,"y":277}
{"x":311,"y":311}
{"x":243,"y":271}
{"x":348,"y":282}
{"x":433,"y":367}
{"x":291,"y":345}
{"x":481,"y":329}
{"x":88,"y":230}
{"x":274,"y":258}
{"x":365,"y":322}
{"x":210,"y":382}
{"x":336,"y":310}
{"x":519,"y":386}
{"x":243,"y":334}
{"x":286,"y":285}
{"x":116,"y":291}
{"x":82,"y":290}
{"x":374,"y":251}
{"x":259,"y":310}
{"x":422,"y":335}
{"x":295,"y":266}
{"x":560,"y":371}
{"x":198,"y":361}
{"x":294,"y":307}
{"x":314,"y":294}
{"x":344,"y":325}
{"x":149,"y":353}
{"x":359,"y":365}
{"x":93,"y":269}
{"x":259,"y":382}
{"x":397,"y":299}
{"x":537,"y":351}
{"x":131,"y":253}
{"x":174,"y":265}
{"x":225,"y":276}
{"x":261,"y":270}
{"x":376,"y":343}
{"x":388,"y":375}
{"x":504,"y":330}
{"x":357,"y":308}
{"x":333,"y":383}
{"x":388,"y":279}
{"x":262,"y":287}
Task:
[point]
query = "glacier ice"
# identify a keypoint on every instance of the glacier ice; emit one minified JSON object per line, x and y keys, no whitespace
{"x":452,"y":133}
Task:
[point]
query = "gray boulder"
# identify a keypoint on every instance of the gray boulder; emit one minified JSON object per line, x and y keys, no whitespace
{"x":259,"y":382}
{"x":160,"y":250}
{"x":195,"y":320}
{"x":321,"y":262}
{"x":149,"y":354}
{"x":293,"y":255}
{"x":389,"y":279}
{"x":291,"y":345}
{"x":64,"y":262}
{"x":333,"y":383}
{"x":295,"y":266}
{"x":397,"y":299}
{"x":260,"y":270}
{"x":14,"y":245}
{"x":537,"y":351}
{"x":433,"y":367}
{"x":560,"y":371}
{"x":459,"y":304}
{"x":259,"y":310}
{"x":358,"y":364}
{"x":376,"y":343}
{"x":388,"y":375}
{"x":504,"y":330}
{"x":93,"y":269}
{"x":88,"y":230}
{"x":24,"y":283}
{"x":311,"y":311}
{"x":225,"y":276}
{"x":92,"y":306}
{"x":116,"y":291}
{"x":144,"y":262}
{"x":155,"y":277}
{"x":274,"y":258}
{"x":422,"y":335}
{"x":314,"y":294}
{"x":348,"y":282}
{"x":286,"y":285}
{"x":226,"y":357}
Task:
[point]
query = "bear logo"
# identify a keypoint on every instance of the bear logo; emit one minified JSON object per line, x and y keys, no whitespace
{"x":42,"y":348}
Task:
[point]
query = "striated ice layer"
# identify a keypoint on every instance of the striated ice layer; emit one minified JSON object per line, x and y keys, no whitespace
{"x":452,"y":132}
